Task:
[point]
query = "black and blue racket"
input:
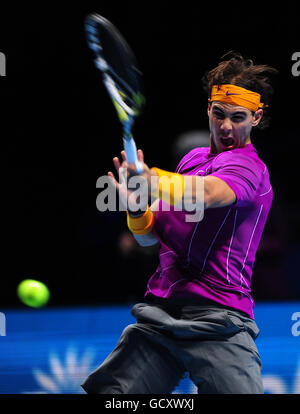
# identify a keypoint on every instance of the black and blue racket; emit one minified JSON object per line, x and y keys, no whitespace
{"x":121,"y":76}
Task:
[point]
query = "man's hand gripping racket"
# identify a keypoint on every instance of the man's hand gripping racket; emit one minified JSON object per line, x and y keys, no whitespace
{"x":121,"y":77}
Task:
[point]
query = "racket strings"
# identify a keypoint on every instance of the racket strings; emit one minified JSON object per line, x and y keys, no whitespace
{"x":129,"y":99}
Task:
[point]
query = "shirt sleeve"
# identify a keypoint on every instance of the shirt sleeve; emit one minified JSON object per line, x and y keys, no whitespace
{"x":242,"y":173}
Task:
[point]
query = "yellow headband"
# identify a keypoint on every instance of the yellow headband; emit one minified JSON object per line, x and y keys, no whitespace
{"x":236,"y":95}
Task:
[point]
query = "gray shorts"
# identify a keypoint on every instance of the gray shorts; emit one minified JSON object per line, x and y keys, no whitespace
{"x":214,"y":345}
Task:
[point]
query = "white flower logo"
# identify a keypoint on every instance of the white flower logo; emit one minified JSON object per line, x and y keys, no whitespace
{"x":65,"y":377}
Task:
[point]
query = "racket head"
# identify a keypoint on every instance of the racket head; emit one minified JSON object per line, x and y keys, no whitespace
{"x":114,"y":58}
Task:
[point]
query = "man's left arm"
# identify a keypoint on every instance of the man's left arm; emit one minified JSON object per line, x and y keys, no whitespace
{"x":234,"y":180}
{"x":208,"y":191}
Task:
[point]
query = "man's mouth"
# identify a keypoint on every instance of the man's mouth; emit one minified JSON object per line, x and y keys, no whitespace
{"x":227,"y":142}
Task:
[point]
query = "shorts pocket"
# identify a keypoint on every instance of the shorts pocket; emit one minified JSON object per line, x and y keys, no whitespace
{"x":248,"y":331}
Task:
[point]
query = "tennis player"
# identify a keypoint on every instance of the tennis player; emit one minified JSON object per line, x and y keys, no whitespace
{"x":197,"y":315}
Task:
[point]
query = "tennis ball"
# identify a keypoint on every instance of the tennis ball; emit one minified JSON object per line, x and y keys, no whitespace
{"x":33,"y":293}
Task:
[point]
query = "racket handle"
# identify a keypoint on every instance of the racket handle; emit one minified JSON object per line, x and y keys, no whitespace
{"x":131,"y":153}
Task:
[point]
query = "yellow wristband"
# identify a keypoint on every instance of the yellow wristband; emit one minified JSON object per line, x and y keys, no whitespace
{"x":170,"y":186}
{"x":141,"y":225}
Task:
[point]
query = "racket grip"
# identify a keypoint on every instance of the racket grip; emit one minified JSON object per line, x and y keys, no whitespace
{"x":131,"y":153}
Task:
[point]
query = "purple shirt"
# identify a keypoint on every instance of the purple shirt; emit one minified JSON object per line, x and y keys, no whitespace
{"x":213,"y":259}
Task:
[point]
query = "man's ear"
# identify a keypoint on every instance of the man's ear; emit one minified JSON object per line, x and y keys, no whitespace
{"x":257,"y":117}
{"x":208,"y":108}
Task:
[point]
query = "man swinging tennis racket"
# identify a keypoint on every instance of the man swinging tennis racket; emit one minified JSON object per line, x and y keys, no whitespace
{"x":197,"y":314}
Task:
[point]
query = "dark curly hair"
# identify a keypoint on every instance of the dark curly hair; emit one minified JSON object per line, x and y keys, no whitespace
{"x":234,"y":69}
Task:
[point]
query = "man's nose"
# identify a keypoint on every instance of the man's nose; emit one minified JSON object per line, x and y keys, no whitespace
{"x":226,"y":125}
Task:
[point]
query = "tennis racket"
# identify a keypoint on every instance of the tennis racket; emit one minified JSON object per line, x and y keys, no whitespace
{"x":121,"y":77}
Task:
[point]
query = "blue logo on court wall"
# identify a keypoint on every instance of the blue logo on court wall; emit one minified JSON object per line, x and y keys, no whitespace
{"x":54,"y":350}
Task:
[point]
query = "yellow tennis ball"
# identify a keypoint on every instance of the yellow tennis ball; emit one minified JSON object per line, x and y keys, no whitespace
{"x":33,"y":293}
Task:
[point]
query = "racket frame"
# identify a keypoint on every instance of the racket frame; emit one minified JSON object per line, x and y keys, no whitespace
{"x":116,"y":87}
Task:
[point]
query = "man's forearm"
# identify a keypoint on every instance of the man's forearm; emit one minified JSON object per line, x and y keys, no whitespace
{"x":186,"y":192}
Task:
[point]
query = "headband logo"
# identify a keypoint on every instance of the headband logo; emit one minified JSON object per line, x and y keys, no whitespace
{"x":228,"y":93}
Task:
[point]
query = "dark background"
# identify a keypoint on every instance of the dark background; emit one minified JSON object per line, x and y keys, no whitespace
{"x":59,"y":133}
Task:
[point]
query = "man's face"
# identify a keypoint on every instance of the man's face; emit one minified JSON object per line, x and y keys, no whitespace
{"x":230,"y":125}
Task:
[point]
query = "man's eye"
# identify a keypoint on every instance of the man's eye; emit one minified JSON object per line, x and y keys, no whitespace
{"x":219,"y":115}
{"x":237,"y":118}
